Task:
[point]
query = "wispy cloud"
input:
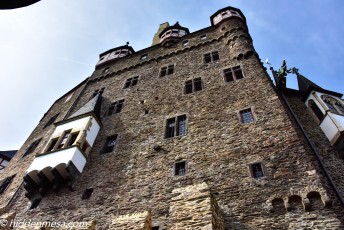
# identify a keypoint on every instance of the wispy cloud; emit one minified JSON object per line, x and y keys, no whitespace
{"x":73,"y":61}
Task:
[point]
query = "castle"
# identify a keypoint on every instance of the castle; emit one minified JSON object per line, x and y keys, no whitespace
{"x":189,"y":133}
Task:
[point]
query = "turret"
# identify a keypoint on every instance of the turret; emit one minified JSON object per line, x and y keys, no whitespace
{"x":172,"y":34}
{"x":225,"y":14}
{"x":114,"y":54}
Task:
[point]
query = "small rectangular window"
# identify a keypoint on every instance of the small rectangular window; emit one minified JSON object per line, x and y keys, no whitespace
{"x":180,"y":168}
{"x":176,"y":126}
{"x":72,"y":139}
{"x":207,"y":58}
{"x":167,"y":70}
{"x":85,"y":146}
{"x":211,"y":57}
{"x":143,"y":57}
{"x":170,"y":69}
{"x":51,"y":121}
{"x":193,"y":85}
{"x":5,"y":183}
{"x":238,"y":72}
{"x":64,"y":139}
{"x":110,"y":143}
{"x":233,"y":74}
{"x":52,"y":145}
{"x":188,"y":87}
{"x":215,"y":56}
{"x":32,"y":147}
{"x":203,"y":37}
{"x":131,"y":82}
{"x":185,"y":42}
{"x":257,"y":170}
{"x":105,"y":70}
{"x":115,"y":107}
{"x":246,"y":116}
{"x":228,"y":75}
{"x":181,"y":125}
{"x":170,"y":127}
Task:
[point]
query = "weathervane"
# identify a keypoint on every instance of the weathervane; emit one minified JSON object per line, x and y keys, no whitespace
{"x":281,"y":74}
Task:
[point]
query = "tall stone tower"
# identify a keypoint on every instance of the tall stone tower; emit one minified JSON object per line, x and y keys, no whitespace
{"x":189,"y":133}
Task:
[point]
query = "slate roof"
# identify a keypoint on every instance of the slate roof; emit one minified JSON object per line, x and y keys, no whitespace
{"x":93,"y":106}
{"x":8,"y":155}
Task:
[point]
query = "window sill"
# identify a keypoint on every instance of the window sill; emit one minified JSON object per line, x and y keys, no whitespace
{"x":175,"y":138}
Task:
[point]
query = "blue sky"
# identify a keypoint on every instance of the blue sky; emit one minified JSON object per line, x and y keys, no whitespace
{"x":48,"y":48}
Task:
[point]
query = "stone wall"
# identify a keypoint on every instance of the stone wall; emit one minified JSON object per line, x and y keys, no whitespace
{"x":193,"y":207}
{"x":135,"y":221}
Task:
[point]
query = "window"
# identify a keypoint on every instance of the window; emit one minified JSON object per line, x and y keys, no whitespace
{"x":100,"y":91}
{"x":87,"y":193}
{"x":167,"y":70}
{"x":257,"y":170}
{"x":72,"y":139}
{"x":193,"y":85}
{"x":155,"y":228}
{"x":3,"y":164}
{"x":211,"y":57}
{"x":51,"y":121}
{"x":85,"y":146}
{"x":176,"y":126}
{"x":52,"y":144}
{"x":185,"y":42}
{"x":143,"y":57}
{"x":64,"y":139}
{"x":105,"y":70}
{"x":131,"y":82}
{"x":180,"y":168}
{"x":334,"y":105}
{"x":315,"y":110}
{"x":233,"y":74}
{"x":32,"y":147}
{"x":203,"y":37}
{"x":246,"y":116}
{"x":115,"y":107}
{"x":5,"y":183}
{"x":110,"y":143}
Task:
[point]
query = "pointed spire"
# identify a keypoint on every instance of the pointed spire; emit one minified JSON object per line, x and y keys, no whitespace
{"x":93,"y":106}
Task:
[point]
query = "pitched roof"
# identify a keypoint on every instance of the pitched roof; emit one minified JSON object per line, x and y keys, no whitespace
{"x":306,"y":86}
{"x":93,"y":106}
{"x":304,"y":83}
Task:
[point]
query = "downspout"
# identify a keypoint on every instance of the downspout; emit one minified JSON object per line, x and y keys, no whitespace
{"x":314,"y":149}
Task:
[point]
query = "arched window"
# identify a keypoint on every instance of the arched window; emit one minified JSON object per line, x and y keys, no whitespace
{"x":316,"y":110}
{"x":334,"y":105}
